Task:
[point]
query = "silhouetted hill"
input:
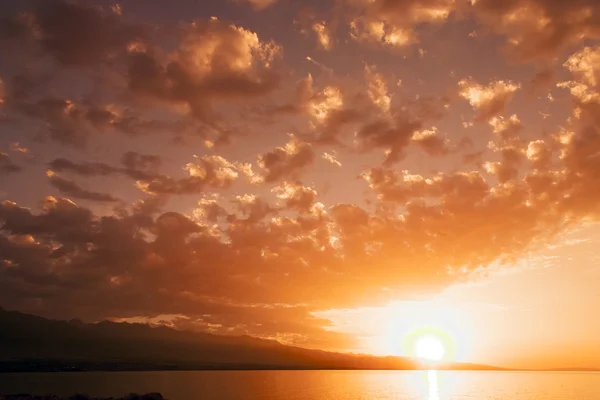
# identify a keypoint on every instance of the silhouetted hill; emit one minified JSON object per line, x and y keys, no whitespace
{"x":29,"y":342}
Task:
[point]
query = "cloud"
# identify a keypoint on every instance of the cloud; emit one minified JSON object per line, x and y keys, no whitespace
{"x":247,"y":257}
{"x":542,"y":79}
{"x":462,"y":199}
{"x":111,"y":118}
{"x":17,"y":148}
{"x":73,"y":33}
{"x":432,"y":142}
{"x":255,"y":248}
{"x":296,"y":196}
{"x":540,"y":29}
{"x":205,"y":172}
{"x":72,"y":189}
{"x":489,"y":100}
{"x":329,"y":108}
{"x":125,"y":263}
{"x":508,"y":168}
{"x":251,"y":209}
{"x":331,"y":158}
{"x":508,"y":129}
{"x":585,"y":65}
{"x":393,"y":23}
{"x":539,"y":154}
{"x":62,"y":117}
{"x":2,"y":91}
{"x":134,"y":165}
{"x":259,"y":4}
{"x":88,"y":169}
{"x":379,"y":32}
{"x":377,"y":89}
{"x":135,"y":161}
{"x":392,"y":136}
{"x":7,"y":166}
{"x":71,"y":122}
{"x":287,"y":161}
{"x":393,"y":132}
{"x":323,"y":36}
{"x":214,"y":61}
{"x":322,"y":105}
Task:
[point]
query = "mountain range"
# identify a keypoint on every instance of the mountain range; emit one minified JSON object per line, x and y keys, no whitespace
{"x":33,"y":343}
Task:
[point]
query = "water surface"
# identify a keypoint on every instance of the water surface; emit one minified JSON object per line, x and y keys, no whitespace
{"x":314,"y":385}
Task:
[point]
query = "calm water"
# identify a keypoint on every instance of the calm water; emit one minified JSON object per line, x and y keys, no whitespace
{"x":315,"y":385}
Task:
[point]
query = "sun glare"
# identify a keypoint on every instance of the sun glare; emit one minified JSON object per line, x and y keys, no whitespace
{"x":430,"y":348}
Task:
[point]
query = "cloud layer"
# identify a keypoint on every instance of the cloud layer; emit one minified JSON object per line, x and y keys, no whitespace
{"x":244,"y":178}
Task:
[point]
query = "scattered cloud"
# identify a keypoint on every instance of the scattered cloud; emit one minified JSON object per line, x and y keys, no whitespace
{"x":540,"y":29}
{"x":72,"y":189}
{"x":296,"y":196}
{"x":16,"y":147}
{"x":490,"y":100}
{"x":214,"y":61}
{"x":377,"y":89}
{"x":323,"y":35}
{"x":393,"y":23}
{"x":286,"y":161}
{"x":329,"y":157}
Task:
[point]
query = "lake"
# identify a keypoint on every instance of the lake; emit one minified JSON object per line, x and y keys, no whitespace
{"x":314,"y":385}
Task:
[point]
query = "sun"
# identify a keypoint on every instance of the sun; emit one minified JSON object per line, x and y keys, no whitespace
{"x":430,"y":348}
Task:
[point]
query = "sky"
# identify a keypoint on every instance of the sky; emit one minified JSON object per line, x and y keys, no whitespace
{"x":333,"y":174}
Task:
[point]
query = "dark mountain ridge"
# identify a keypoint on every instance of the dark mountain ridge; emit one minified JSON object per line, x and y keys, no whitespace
{"x":29,"y":342}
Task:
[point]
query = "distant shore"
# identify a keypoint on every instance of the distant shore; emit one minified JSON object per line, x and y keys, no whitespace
{"x":53,"y":365}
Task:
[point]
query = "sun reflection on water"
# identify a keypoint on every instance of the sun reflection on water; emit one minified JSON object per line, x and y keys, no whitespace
{"x":432,"y":381}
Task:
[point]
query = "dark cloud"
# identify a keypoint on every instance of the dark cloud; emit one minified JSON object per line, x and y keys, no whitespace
{"x":72,"y":189}
{"x":74,"y":33}
{"x":62,"y":120}
{"x":88,"y":169}
{"x":213,"y":172}
{"x":113,"y":259}
{"x":534,"y":29}
{"x":392,"y":136}
{"x":131,"y":123}
{"x":287,"y":161}
{"x":195,"y":76}
{"x":135,"y":161}
{"x":205,"y":172}
{"x":7,"y":166}
{"x":134,"y":165}
{"x":71,"y":122}
{"x":540,"y":29}
{"x":542,"y":80}
{"x":432,"y":142}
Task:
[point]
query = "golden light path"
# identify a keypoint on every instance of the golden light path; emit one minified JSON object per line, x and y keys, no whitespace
{"x":432,"y":384}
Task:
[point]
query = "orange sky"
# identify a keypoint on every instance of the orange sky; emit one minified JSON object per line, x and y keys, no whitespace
{"x":332,"y":174}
